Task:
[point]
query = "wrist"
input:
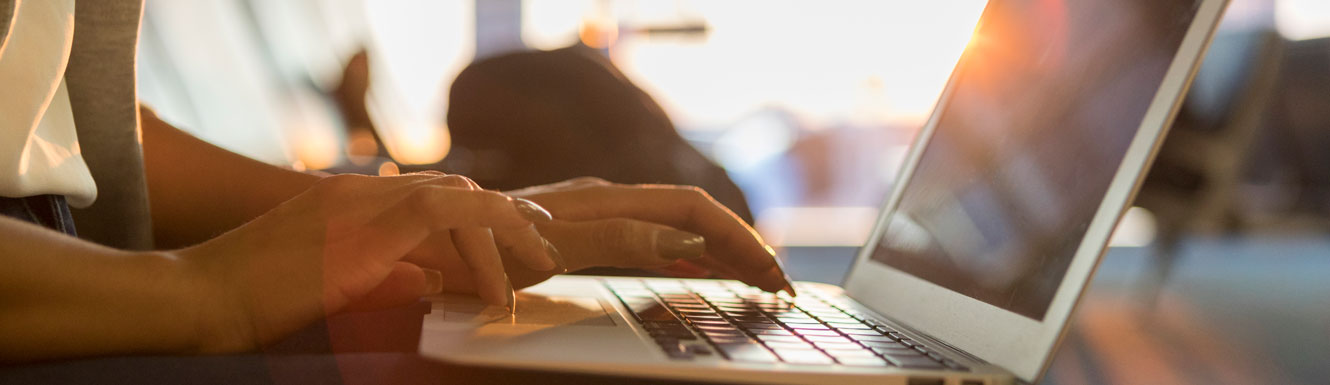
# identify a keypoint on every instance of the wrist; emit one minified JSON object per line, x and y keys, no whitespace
{"x":219,"y":321}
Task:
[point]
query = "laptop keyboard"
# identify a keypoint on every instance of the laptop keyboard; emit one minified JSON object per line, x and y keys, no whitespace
{"x":695,"y":318}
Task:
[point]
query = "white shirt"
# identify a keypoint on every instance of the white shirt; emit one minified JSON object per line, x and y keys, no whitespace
{"x":39,"y":148}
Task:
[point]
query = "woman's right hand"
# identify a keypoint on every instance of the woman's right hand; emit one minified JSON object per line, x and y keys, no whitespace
{"x":342,"y":242}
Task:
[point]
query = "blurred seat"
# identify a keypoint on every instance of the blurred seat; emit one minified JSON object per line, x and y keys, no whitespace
{"x":1298,"y":133}
{"x":1194,"y":184}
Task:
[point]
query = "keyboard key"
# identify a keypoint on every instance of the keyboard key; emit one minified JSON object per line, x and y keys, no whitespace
{"x":847,"y":326}
{"x":885,"y":345}
{"x":830,"y":346}
{"x":895,"y":335}
{"x":772,"y":332}
{"x":721,"y":331}
{"x":826,"y":339}
{"x":747,"y":352}
{"x":675,"y":338}
{"x":855,"y":332}
{"x":914,"y":362}
{"x":694,"y":308}
{"x":753,"y":325}
{"x":790,"y":345}
{"x":867,"y":362}
{"x":895,"y":351}
{"x":734,"y":307}
{"x":862,"y":338}
{"x":655,"y":313}
{"x":765,"y":338}
{"x":708,"y":321}
{"x":818,"y":333}
{"x":674,"y":333}
{"x":676,"y":350}
{"x":730,"y":339}
{"x":846,"y":320}
{"x":846,"y":354}
{"x":750,"y":319}
{"x":803,"y":356}
{"x":885,"y":329}
{"x":954,"y":365}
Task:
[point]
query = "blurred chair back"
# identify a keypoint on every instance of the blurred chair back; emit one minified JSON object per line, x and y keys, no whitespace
{"x":1196,"y":177}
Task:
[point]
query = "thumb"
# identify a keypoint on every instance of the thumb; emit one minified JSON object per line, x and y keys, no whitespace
{"x":621,"y":242}
{"x":404,"y":285}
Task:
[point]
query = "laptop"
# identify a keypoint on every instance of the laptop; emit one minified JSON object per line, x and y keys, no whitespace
{"x":993,"y":229}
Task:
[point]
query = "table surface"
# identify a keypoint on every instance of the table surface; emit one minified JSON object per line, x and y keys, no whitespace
{"x":1234,"y":310}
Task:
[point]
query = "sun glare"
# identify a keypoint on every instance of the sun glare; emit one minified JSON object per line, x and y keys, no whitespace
{"x":831,"y":61}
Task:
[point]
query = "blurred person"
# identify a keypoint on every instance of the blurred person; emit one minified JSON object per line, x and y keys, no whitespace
{"x":184,"y":247}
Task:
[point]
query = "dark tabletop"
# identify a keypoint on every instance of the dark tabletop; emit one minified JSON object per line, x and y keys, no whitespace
{"x":1253,"y":310}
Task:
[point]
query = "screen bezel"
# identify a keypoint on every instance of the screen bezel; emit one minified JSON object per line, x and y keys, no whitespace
{"x":999,"y":336}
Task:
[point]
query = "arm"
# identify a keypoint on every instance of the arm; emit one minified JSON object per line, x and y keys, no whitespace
{"x":58,"y":297}
{"x":198,"y":190}
{"x":339,"y":245}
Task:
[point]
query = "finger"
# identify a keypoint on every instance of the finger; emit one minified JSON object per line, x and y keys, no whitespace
{"x":526,"y":245}
{"x":428,"y":209}
{"x":404,"y":285}
{"x":729,"y":241}
{"x":361,"y":198}
{"x":575,"y":183}
{"x":477,"y":249}
{"x":521,"y":276}
{"x":530,"y":210}
{"x":621,"y":243}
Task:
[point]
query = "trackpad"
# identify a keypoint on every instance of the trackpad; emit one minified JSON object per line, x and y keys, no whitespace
{"x":534,"y":309}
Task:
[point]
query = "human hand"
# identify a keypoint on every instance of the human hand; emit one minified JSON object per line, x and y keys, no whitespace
{"x":341,"y":244}
{"x":605,"y":224}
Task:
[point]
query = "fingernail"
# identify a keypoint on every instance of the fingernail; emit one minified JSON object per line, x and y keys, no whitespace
{"x":433,"y":281}
{"x":789,"y":289}
{"x":512,"y":296}
{"x":675,"y":244}
{"x":557,"y":257}
{"x":789,"y":286}
{"x":532,"y":211}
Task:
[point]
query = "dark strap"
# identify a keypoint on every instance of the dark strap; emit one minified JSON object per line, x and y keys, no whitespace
{"x":50,"y":211}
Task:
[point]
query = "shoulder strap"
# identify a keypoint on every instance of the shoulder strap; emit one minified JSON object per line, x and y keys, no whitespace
{"x":6,"y":21}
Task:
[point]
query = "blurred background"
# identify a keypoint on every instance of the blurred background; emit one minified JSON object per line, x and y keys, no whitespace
{"x":795,"y":114}
{"x":809,"y":107}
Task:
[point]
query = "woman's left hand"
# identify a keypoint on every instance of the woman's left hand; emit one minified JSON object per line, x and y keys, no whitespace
{"x":598,"y":223}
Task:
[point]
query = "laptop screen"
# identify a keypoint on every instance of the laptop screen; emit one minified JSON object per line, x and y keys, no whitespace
{"x":1041,"y":111}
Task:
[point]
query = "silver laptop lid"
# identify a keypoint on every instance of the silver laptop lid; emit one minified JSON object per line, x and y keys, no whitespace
{"x":1034,"y":151}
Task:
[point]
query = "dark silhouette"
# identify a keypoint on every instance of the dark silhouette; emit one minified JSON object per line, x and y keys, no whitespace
{"x":531,"y":118}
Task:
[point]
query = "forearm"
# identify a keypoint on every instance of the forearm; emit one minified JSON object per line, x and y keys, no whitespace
{"x":199,"y":190}
{"x":63,"y":297}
